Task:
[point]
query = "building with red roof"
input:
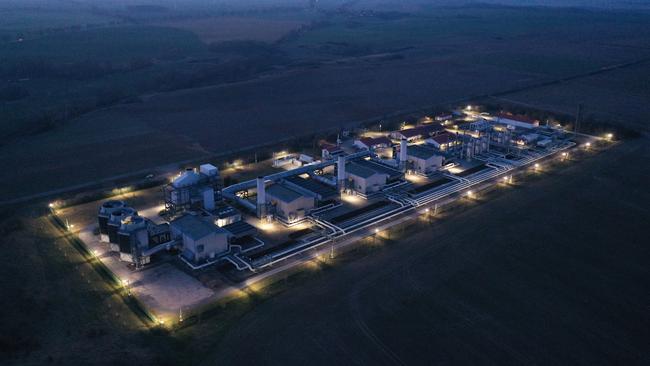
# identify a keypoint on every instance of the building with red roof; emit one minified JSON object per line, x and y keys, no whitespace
{"x":517,"y":120}
{"x":419,"y":132}
{"x":371,"y":143}
{"x":442,"y":141}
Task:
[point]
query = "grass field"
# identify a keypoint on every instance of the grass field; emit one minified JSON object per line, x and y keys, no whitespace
{"x":327,"y":85}
{"x":475,"y":24}
{"x":63,"y":311}
{"x":619,"y":97}
{"x":538,"y":274}
{"x":520,"y":294}
{"x":221,"y":29}
{"x":553,"y":271}
{"x":33,"y":18}
{"x":115,"y":45}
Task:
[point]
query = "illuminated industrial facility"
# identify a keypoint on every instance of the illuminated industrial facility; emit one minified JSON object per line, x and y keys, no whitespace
{"x":359,"y":184}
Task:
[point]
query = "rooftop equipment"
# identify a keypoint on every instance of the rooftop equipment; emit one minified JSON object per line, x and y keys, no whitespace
{"x":105,"y":211}
{"x":114,"y":224}
{"x":192,"y":189}
{"x":132,"y":237}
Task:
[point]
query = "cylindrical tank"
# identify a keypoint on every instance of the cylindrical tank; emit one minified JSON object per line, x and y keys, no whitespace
{"x":403,"y":153}
{"x":340,"y":173}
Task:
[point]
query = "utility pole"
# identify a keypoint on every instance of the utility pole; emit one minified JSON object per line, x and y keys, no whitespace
{"x":578,"y":117}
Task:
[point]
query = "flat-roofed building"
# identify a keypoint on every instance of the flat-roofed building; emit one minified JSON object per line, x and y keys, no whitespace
{"x":419,"y":132}
{"x":311,"y":187}
{"x":363,"y":179}
{"x":517,"y":120}
{"x":423,"y":159}
{"x":202,"y":239}
{"x":392,"y":173}
{"x":290,"y":205}
{"x":331,"y":151}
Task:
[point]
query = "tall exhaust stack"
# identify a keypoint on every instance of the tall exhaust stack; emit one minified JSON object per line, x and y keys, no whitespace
{"x":261,"y":198}
{"x":403,"y":156}
{"x":340,"y":173}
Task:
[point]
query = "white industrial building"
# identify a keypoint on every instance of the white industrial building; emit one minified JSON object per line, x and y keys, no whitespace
{"x":331,"y":151}
{"x":418,"y":133}
{"x":423,"y":160}
{"x":443,"y":141}
{"x":372,"y":143}
{"x":516,"y":120}
{"x":288,"y":204}
{"x":193,"y":189}
{"x":202,"y":239}
{"x":226,"y":215}
{"x":364,"y":179}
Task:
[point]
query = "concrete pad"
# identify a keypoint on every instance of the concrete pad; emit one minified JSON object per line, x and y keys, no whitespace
{"x":164,"y":289}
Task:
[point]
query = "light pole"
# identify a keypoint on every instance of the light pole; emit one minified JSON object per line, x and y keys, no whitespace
{"x":125,"y":283}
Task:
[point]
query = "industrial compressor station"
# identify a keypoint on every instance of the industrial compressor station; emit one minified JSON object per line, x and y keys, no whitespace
{"x":358,"y":184}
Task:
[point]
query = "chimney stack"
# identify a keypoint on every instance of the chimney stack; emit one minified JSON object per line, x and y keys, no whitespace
{"x":340,"y":173}
{"x":261,"y":198}
{"x":403,"y":155}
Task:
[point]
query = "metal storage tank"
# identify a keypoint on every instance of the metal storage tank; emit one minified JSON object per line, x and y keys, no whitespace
{"x":105,"y":211}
